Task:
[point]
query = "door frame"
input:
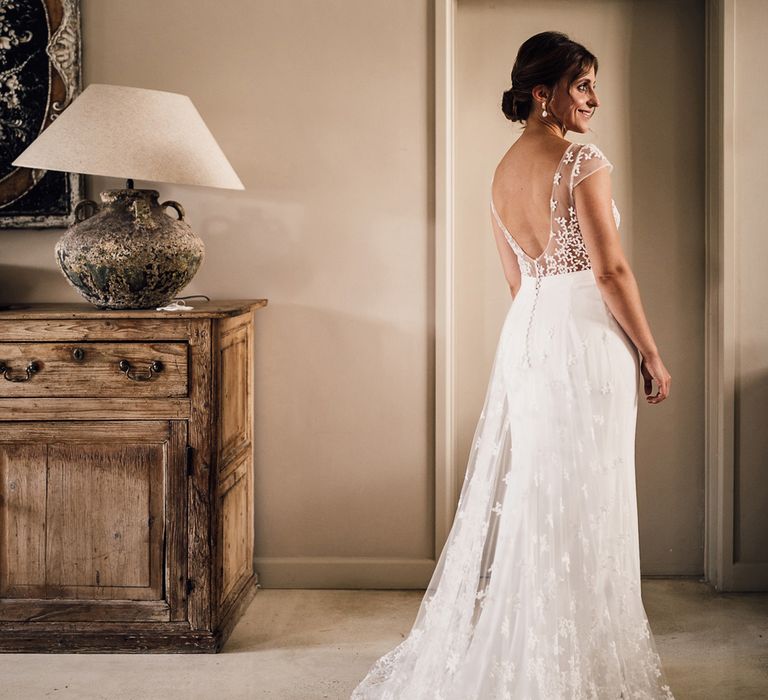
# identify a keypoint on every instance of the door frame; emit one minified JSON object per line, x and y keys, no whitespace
{"x":720,"y":293}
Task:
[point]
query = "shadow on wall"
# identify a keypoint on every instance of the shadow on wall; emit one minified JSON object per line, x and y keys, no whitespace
{"x":250,"y":245}
{"x":345,"y":464}
{"x":665,"y":224}
{"x":750,"y":545}
{"x":19,"y":283}
{"x":253,"y":247}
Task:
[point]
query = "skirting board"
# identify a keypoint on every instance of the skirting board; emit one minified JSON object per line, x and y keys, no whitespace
{"x":343,"y":572}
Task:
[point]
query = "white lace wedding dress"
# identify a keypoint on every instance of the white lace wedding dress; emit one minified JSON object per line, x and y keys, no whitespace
{"x":536,"y":594}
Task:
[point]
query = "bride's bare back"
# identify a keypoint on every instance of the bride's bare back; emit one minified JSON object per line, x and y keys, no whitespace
{"x":522,"y":188}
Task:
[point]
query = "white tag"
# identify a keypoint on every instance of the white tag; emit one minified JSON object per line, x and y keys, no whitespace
{"x":175,"y":306}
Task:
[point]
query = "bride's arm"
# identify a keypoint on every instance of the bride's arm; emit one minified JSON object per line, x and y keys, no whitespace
{"x":613,"y":274}
{"x":508,"y":259}
{"x":610,"y":267}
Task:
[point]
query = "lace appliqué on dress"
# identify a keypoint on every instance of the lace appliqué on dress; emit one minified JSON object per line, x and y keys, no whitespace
{"x":565,"y":251}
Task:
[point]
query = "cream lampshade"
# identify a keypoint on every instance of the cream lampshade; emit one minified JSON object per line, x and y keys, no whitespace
{"x":127,"y":252}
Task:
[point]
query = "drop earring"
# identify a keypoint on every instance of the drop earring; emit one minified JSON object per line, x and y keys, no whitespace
{"x":543,"y":110}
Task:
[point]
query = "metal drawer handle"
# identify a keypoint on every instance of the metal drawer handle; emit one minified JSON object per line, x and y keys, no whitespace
{"x":32,"y":367}
{"x":131,"y":373}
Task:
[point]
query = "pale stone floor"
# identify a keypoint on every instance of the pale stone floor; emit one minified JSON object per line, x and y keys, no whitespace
{"x":297,"y":644}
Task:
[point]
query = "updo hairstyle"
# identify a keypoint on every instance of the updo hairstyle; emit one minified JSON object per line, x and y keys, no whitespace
{"x":543,"y":59}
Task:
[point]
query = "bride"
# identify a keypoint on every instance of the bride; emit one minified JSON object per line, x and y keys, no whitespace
{"x":536,"y":594}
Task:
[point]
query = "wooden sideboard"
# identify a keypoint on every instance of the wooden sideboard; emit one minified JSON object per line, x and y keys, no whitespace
{"x":126,"y":477}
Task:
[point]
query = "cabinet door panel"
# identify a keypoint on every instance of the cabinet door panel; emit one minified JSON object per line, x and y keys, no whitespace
{"x":22,"y":527}
{"x":235,"y":539}
{"x":234,"y":393}
{"x":83,"y":518}
{"x":104,"y":518}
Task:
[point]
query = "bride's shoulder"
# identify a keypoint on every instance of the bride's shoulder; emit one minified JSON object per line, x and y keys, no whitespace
{"x":589,"y":159}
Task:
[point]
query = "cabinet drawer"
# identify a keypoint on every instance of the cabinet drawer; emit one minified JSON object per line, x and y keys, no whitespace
{"x":90,"y":369}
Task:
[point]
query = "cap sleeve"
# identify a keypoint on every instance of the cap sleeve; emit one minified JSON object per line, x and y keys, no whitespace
{"x":589,"y":159}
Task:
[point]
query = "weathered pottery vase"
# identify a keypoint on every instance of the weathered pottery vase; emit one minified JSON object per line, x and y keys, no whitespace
{"x":128,"y":253}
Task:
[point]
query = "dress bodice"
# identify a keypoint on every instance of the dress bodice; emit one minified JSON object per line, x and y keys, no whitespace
{"x":565,"y":250}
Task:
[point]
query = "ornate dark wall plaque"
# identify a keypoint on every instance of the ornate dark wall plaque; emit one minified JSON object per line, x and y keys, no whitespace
{"x":39,"y":77}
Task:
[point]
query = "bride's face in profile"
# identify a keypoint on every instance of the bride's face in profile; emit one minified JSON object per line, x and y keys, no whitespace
{"x":574,"y":106}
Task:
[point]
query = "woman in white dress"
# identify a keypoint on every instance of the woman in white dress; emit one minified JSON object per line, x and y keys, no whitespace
{"x":536,"y":594}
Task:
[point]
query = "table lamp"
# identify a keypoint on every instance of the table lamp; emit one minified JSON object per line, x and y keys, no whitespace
{"x":127,"y":252}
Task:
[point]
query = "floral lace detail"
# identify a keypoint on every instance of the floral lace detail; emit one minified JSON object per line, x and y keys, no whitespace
{"x":565,"y":251}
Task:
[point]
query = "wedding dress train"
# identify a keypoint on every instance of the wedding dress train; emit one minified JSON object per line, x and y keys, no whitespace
{"x":536,"y":594}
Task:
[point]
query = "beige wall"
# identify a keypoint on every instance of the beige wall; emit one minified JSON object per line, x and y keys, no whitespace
{"x":751,"y":176}
{"x":322,"y":108}
{"x":650,"y":124}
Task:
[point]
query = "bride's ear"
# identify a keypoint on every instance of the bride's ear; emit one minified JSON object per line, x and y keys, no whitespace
{"x":540,"y":93}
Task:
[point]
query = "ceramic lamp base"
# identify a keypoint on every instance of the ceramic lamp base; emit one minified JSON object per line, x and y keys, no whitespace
{"x":128,"y":253}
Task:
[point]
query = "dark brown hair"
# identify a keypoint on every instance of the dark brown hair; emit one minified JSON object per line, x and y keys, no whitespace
{"x":543,"y":59}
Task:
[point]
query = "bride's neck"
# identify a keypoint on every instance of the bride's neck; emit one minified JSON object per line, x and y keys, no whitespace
{"x":537,"y":127}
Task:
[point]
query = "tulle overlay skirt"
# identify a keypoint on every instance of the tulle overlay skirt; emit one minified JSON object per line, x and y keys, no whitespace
{"x":536,"y":594}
